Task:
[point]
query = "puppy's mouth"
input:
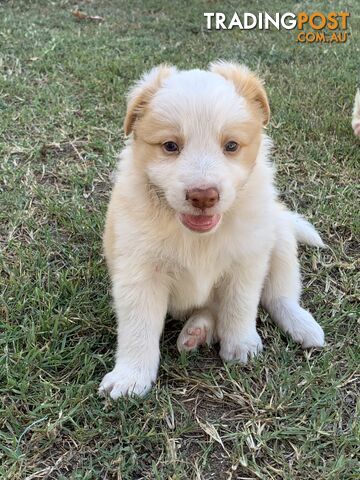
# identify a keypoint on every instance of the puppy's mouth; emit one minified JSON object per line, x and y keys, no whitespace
{"x":199,"y":223}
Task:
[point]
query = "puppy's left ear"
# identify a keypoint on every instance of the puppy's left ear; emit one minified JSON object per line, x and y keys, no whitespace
{"x":246,"y":83}
{"x":142,"y":92}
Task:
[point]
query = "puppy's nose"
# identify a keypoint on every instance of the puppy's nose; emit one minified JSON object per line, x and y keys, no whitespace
{"x":203,"y":198}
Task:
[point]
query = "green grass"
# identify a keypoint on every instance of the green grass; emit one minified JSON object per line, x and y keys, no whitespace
{"x":289,"y":414}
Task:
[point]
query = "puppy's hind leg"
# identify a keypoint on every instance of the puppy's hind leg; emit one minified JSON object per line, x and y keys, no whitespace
{"x":198,"y":330}
{"x":281,"y":294}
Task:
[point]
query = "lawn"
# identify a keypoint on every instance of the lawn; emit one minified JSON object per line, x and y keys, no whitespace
{"x":289,"y":414}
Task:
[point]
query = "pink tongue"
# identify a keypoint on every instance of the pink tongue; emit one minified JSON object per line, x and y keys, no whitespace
{"x":200,"y":219}
{"x":200,"y":223}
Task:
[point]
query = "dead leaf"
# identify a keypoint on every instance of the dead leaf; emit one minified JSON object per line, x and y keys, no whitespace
{"x":84,"y":16}
{"x":212,"y":432}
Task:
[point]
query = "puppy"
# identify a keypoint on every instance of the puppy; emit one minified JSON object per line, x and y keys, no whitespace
{"x":194,"y":227}
{"x":356,"y":115}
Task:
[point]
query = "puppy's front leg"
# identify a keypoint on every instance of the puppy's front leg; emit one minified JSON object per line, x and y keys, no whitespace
{"x":141,"y":310}
{"x":239,"y":296}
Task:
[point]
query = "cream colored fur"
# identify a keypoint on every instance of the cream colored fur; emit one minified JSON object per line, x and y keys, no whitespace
{"x":356,"y":114}
{"x":216,"y":279}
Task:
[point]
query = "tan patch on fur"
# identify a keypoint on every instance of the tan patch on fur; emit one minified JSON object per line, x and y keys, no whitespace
{"x":247,"y":135}
{"x":241,"y":132}
{"x":249,"y":153}
{"x":151,"y":133}
{"x":247,"y":84}
{"x":142,"y":93}
{"x":155,"y":131}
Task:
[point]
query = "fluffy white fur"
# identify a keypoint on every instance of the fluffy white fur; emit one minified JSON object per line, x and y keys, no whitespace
{"x":215,"y":280}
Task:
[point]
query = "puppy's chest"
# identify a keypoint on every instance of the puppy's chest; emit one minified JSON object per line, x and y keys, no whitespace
{"x":191,"y":287}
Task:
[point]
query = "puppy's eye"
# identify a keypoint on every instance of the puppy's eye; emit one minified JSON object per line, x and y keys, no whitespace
{"x":170,"y":147}
{"x":231,"y":146}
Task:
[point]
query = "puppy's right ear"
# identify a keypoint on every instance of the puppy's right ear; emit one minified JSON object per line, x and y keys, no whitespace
{"x":142,"y":92}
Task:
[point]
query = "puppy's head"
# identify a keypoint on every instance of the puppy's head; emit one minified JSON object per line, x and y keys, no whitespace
{"x":196,"y":135}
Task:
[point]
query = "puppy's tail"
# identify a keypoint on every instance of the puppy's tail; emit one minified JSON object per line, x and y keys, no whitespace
{"x":304,"y":231}
{"x":356,"y":114}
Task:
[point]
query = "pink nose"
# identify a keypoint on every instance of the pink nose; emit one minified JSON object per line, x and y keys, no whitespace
{"x":203,"y":198}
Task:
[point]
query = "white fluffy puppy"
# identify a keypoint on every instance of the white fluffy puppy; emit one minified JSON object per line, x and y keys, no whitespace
{"x":194,"y":227}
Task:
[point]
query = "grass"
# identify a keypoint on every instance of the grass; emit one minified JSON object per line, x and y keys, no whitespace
{"x":289,"y":414}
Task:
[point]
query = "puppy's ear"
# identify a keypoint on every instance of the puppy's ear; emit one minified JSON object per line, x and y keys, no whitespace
{"x":246,"y":83}
{"x":142,"y":92}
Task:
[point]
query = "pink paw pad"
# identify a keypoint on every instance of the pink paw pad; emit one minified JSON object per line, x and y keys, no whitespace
{"x":195,"y":337}
{"x":198,"y":330}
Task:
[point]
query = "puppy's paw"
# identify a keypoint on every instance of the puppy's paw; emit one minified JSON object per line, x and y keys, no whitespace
{"x":241,"y":348}
{"x":306,"y":331}
{"x":198,"y":330}
{"x":125,"y":381}
{"x":297,"y":322}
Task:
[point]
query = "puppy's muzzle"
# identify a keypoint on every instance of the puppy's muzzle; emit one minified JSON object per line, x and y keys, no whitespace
{"x":203,"y":197}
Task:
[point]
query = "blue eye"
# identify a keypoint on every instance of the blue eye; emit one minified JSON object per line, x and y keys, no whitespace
{"x":231,"y":146}
{"x":170,"y":147}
